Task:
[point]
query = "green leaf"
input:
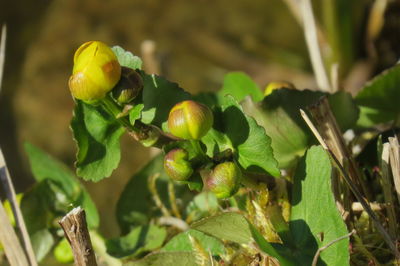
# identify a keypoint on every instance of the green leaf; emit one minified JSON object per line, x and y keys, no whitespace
{"x":159,"y":96}
{"x":167,"y":258}
{"x":204,"y":204}
{"x":45,"y":167}
{"x":42,"y":242}
{"x":311,"y":197}
{"x":344,"y":109}
{"x":279,"y":114}
{"x":135,"y":205}
{"x":97,"y":135}
{"x":63,"y":252}
{"x":236,"y":130}
{"x":239,"y":85}
{"x":378,"y":99}
{"x":181,"y":242}
{"x":42,"y":204}
{"x":139,"y":240}
{"x":135,"y":113}
{"x":127,"y":59}
{"x":230,"y":226}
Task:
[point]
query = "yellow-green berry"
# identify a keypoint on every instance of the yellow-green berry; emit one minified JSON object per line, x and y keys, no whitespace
{"x":177,"y":166}
{"x":224,"y":180}
{"x":190,"y":120}
{"x":96,"y":71}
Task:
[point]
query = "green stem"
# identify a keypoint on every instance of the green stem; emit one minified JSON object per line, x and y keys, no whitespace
{"x":114,"y":109}
{"x":140,"y":131}
{"x":197,"y":147}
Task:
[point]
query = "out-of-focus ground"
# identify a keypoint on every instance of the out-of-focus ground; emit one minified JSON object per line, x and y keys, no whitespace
{"x":197,"y":43}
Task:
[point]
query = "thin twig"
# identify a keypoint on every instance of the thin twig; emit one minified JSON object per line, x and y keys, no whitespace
{"x":153,"y":189}
{"x":173,"y":221}
{"x":2,"y":52}
{"x":76,"y":231}
{"x":19,"y":220}
{"x":172,"y":199}
{"x":11,"y":245}
{"x":354,"y":189}
{"x":316,"y":256}
{"x":310,"y":32}
{"x":313,"y":129}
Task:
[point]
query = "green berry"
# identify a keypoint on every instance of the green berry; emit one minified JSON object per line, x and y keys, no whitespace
{"x":177,"y":165}
{"x":224,"y":180}
{"x":190,"y":120}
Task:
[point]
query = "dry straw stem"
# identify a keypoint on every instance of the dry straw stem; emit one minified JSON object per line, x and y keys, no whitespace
{"x":76,"y":231}
{"x":394,"y":159}
{"x":311,"y":36}
{"x":150,"y":63}
{"x":8,"y":238}
{"x":2,"y":52}
{"x":353,"y":188}
{"x":8,"y":187}
{"x":376,"y":20}
{"x":333,"y":137}
{"x":5,"y":176}
{"x":388,"y":190}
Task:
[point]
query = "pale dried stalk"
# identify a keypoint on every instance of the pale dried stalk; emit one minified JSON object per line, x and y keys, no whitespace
{"x":76,"y":231}
{"x":333,"y":137}
{"x":150,"y":62}
{"x":354,"y":188}
{"x":376,"y":20}
{"x":394,"y":159}
{"x":19,"y":220}
{"x":2,"y":52}
{"x":311,"y":36}
{"x":388,"y":190}
{"x":357,"y":207}
{"x":8,"y":238}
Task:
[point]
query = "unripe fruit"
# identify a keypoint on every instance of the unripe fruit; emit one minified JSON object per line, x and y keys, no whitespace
{"x":96,"y":71}
{"x":277,"y":85}
{"x":128,"y":87}
{"x":190,"y":120}
{"x":177,"y":166}
{"x":224,"y":180}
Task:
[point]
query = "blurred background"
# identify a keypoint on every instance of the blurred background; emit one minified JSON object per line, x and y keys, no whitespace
{"x":197,"y":42}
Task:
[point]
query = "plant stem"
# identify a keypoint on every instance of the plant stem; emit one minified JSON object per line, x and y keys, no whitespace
{"x":139,"y":130}
{"x":197,"y":147}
